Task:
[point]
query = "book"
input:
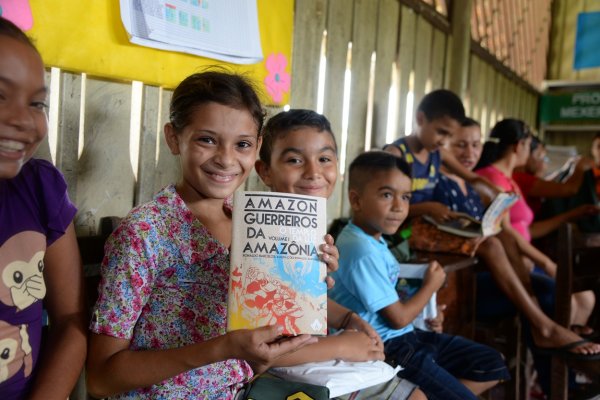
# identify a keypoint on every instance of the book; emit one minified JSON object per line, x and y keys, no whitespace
{"x":276,"y":276}
{"x":409,"y":282}
{"x":468,"y":226}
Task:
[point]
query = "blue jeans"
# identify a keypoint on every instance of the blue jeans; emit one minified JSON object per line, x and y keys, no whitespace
{"x":436,"y":361}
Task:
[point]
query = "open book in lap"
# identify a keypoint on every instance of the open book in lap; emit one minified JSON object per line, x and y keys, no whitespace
{"x":490,"y":224}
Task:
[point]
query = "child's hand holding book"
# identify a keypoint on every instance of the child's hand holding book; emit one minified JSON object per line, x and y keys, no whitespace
{"x":434,"y":276}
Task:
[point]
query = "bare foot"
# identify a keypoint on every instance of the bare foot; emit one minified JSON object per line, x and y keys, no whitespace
{"x":558,"y":336}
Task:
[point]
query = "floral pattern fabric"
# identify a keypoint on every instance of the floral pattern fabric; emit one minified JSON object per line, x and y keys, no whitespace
{"x":164,"y":285}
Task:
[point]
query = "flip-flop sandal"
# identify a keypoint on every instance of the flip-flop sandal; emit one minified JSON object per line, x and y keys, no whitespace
{"x":564,"y":351}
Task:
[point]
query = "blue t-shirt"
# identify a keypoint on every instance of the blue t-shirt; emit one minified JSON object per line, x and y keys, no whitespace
{"x":367,"y":277}
{"x":449,"y":193}
{"x":424,"y":176}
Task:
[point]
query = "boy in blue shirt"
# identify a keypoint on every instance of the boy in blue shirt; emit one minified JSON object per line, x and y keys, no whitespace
{"x":444,"y":366}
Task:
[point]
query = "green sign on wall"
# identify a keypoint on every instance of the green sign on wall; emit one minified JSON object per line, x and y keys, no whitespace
{"x":570,"y":107}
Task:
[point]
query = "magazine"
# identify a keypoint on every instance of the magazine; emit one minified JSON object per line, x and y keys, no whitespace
{"x":409,"y":282}
{"x":276,"y":276}
{"x":467,"y":226}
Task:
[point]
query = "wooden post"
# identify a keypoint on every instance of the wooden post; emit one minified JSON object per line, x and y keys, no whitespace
{"x":461,"y":46}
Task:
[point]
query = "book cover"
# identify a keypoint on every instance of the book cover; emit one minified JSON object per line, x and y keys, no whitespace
{"x":409,"y":282}
{"x":276,"y":276}
{"x":490,"y":224}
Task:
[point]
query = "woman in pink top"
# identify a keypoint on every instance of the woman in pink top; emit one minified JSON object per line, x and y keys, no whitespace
{"x":506,"y":149}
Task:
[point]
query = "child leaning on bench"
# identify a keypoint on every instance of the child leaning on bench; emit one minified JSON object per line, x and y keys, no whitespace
{"x":443,"y":366}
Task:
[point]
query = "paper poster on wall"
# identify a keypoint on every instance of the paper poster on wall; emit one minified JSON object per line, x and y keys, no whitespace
{"x":88,"y":36}
{"x":209,"y":28}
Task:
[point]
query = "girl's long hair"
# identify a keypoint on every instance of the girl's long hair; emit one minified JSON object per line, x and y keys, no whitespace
{"x":503,"y":136}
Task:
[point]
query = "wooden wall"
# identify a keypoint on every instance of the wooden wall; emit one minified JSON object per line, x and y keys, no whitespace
{"x":394,"y":50}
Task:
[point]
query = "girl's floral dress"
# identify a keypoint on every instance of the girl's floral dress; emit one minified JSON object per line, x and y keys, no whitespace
{"x":164,"y":285}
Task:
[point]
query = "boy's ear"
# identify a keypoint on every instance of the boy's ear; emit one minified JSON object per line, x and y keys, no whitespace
{"x":354,"y":198}
{"x":172,"y":138}
{"x":421,"y":118}
{"x":264,"y":171}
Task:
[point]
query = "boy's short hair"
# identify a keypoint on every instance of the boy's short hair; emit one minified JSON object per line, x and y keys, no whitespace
{"x":287,"y":121}
{"x":368,"y":163}
{"x":442,"y":103}
{"x":469,"y":122}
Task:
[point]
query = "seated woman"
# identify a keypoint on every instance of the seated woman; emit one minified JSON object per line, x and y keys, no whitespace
{"x":529,"y":177}
{"x":535,"y":189}
{"x":508,"y":284}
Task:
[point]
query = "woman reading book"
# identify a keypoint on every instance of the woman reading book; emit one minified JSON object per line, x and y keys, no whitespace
{"x":508,"y":284}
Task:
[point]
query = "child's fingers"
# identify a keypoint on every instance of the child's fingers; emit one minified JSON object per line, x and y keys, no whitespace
{"x":330,"y":282}
{"x":329,"y":239}
{"x":291,"y":344}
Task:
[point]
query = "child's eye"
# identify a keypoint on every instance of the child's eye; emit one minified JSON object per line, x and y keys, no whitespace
{"x":406,"y":197}
{"x":387,"y":195}
{"x":40,"y":105}
{"x":325,"y":159}
{"x":245,"y":144}
{"x":206,"y":139}
{"x":293,"y":161}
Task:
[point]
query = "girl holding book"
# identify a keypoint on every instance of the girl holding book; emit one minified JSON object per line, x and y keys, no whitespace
{"x":159,"y":322}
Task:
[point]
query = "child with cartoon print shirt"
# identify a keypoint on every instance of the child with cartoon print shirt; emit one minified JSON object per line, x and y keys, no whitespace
{"x":39,"y":259}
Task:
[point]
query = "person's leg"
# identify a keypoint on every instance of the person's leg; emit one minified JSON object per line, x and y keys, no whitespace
{"x":582,"y":306}
{"x":417,"y":394}
{"x":477,"y":366}
{"x":500,"y":254}
{"x":420,"y":368}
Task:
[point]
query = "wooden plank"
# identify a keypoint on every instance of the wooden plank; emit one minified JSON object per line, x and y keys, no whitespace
{"x":486,"y":93}
{"x":387,"y":43}
{"x":475,"y":88}
{"x":405,"y":62}
{"x":555,"y":55}
{"x":339,"y":35}
{"x":69,"y":117}
{"x":149,"y":132}
{"x":105,"y":180}
{"x":309,"y":23}
{"x":422,"y":58}
{"x":43,"y":150}
{"x":438,"y":54}
{"x":168,"y":169}
{"x":364,"y":31}
{"x":493,"y":103}
{"x":500,"y":111}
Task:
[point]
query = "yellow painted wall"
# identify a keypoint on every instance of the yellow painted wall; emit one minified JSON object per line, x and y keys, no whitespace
{"x":562,"y":40}
{"x":88,"y":36}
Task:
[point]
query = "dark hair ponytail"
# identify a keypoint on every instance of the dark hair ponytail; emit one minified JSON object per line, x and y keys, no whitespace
{"x":503,"y":136}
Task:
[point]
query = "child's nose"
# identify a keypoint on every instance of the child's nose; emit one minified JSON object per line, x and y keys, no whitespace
{"x":19,"y":116}
{"x":311,"y":169}
{"x":225,"y":156}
